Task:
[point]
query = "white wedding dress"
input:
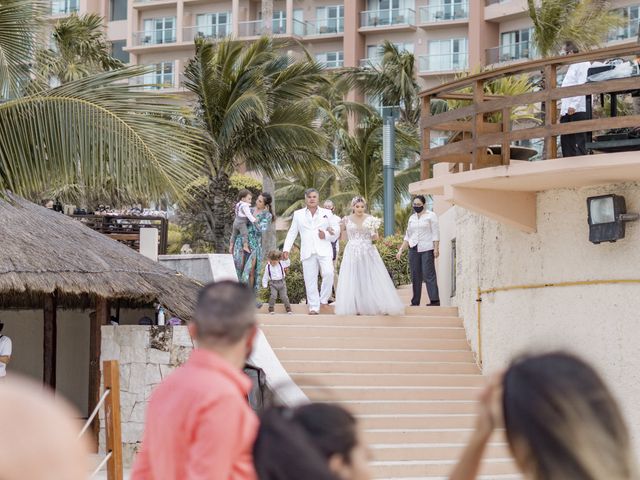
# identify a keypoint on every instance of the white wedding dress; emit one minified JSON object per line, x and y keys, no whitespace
{"x":364,"y":285}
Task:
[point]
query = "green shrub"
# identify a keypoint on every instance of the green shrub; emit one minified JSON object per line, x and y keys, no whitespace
{"x":388,"y":248}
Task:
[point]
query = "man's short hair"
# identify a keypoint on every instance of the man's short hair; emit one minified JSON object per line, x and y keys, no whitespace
{"x":309,"y":191}
{"x":225,"y":311}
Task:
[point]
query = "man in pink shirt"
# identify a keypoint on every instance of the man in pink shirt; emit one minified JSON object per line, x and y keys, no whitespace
{"x":199,"y":424}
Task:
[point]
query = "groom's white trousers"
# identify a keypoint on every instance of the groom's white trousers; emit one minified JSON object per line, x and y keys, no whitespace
{"x":310,"y":268}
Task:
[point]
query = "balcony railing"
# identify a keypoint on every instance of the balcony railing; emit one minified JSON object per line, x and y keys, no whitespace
{"x":64,"y":7}
{"x":279,"y":26}
{"x":390,"y":17}
{"x":207,"y":31}
{"x":150,"y":82}
{"x":330,"y":26}
{"x":444,"y":12}
{"x":628,"y":31}
{"x":445,"y":62}
{"x":511,"y":52}
{"x":252,"y":28}
{"x":487,"y":122}
{"x":154,"y":37}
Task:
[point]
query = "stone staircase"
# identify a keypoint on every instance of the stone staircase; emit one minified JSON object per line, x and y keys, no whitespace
{"x":411,"y":380}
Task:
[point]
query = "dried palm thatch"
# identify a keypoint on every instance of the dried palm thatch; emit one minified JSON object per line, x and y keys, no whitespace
{"x":45,"y":252}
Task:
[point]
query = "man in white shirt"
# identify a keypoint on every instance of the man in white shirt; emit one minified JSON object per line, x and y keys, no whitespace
{"x":317,"y":229}
{"x":335,"y":245}
{"x":574,"y":109}
{"x":423,"y":241}
{"x":5,"y":352}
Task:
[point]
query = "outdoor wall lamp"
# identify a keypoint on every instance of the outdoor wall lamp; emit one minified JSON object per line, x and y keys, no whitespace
{"x":607,"y":217}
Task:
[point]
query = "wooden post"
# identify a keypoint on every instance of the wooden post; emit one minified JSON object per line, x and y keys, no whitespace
{"x":426,"y":138}
{"x":550,"y":110}
{"x":478,"y":124}
{"x":506,"y":140}
{"x":112,"y":419}
{"x":98,"y":318}
{"x":49,"y":341}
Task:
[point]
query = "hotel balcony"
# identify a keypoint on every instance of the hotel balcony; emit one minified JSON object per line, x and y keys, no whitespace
{"x":396,"y":19}
{"x":443,"y":15}
{"x":189,"y":34}
{"x":64,"y":8}
{"x":251,"y":28}
{"x":502,"y":10}
{"x":514,"y":52}
{"x":322,"y":29}
{"x":154,"y":39}
{"x":439,"y":64}
{"x":141,"y":5}
{"x":372,"y":62}
{"x":485,"y":169}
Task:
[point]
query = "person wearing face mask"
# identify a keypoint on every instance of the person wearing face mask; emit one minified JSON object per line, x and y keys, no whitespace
{"x":574,"y":109}
{"x":423,"y":241}
{"x":199,"y":423}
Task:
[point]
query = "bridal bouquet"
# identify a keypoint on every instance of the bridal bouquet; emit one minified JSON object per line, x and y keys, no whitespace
{"x":372,"y":224}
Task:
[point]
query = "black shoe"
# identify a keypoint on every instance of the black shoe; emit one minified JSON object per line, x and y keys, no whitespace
{"x":433,"y":304}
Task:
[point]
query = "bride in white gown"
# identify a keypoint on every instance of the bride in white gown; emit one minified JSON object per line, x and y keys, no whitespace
{"x":364,"y":285}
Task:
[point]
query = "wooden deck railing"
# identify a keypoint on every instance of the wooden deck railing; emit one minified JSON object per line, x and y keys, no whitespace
{"x":478,"y":134}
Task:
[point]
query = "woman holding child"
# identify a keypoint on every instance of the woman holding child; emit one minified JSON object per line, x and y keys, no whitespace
{"x":249,"y":262}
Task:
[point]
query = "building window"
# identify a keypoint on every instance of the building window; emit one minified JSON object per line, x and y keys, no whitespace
{"x":454,"y":267}
{"x":516,"y":45}
{"x":446,"y":55}
{"x":213,"y":25}
{"x":330,"y":19}
{"x":279,"y":22}
{"x":117,"y":10}
{"x":64,"y":7}
{"x":629,"y":29}
{"x":331,"y":59}
{"x":117,"y":50}
{"x":162,"y":77}
{"x":159,"y":30}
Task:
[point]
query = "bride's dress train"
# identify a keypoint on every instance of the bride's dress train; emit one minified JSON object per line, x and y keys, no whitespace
{"x":364,"y":285}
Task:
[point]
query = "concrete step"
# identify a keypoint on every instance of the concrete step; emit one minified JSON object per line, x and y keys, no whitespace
{"x":417,"y":422}
{"x":429,"y":451}
{"x":421,"y":310}
{"x":389,"y":469}
{"x":277,"y":341}
{"x":369,"y":354}
{"x":407,"y":407}
{"x":337,"y":394}
{"x":348,"y":321}
{"x":389,"y":379}
{"x":456,"y":333}
{"x":327,"y":366}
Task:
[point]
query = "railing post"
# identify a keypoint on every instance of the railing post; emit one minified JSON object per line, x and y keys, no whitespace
{"x":478,"y":124}
{"x":112,"y":419}
{"x":426,"y":137}
{"x":506,"y":137}
{"x":550,"y":110}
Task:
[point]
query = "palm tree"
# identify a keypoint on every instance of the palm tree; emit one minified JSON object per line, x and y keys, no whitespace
{"x":79,"y":49}
{"x":253,"y":104}
{"x":94,"y":133}
{"x":584,"y":22}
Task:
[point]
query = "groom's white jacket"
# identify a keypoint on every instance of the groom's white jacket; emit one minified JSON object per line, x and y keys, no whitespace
{"x":307,"y":226}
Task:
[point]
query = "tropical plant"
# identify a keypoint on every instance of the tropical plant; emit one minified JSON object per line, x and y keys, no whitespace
{"x":290,"y":190}
{"x":253,"y":105}
{"x":95,"y":132}
{"x":584,"y":22}
{"x":79,"y":48}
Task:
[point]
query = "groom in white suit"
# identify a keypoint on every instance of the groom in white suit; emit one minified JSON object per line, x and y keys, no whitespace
{"x":317,"y":229}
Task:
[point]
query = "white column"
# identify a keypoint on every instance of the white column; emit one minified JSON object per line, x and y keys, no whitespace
{"x":289,"y":10}
{"x":180,"y":21}
{"x":235,"y":18}
{"x":149,"y":243}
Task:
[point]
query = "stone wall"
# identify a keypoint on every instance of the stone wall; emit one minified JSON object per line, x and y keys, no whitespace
{"x":598,"y":322}
{"x":147,"y":354}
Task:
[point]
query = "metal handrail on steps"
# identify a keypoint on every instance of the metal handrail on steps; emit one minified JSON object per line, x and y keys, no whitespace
{"x":111,"y":401}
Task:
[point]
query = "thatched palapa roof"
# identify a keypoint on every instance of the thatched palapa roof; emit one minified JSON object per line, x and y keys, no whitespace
{"x":43,"y":252}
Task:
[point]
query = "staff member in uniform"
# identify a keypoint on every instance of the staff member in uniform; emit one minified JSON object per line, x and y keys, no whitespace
{"x":423,"y":240}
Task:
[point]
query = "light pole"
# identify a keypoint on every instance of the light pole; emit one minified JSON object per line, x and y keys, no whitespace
{"x":388,"y":167}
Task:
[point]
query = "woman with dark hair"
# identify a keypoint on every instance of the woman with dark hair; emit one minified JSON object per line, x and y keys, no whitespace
{"x":249,"y":265}
{"x":312,"y":442}
{"x":423,"y":241}
{"x":562,"y":422}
